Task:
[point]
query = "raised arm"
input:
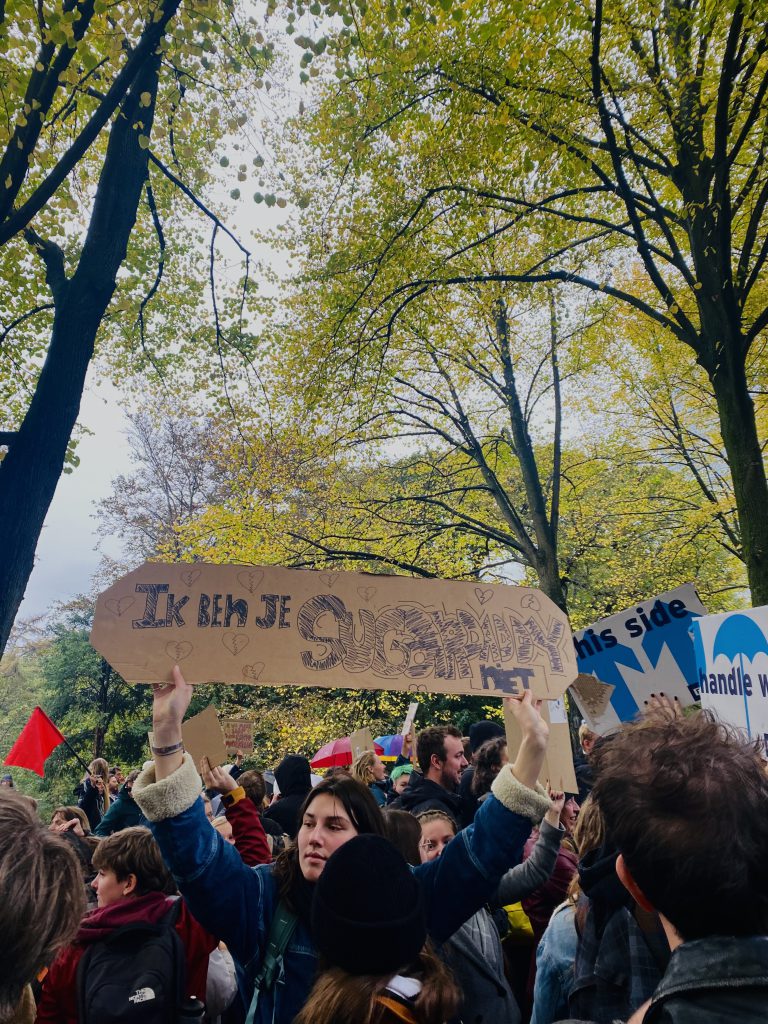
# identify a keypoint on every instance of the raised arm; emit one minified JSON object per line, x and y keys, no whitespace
{"x":224,"y":895}
{"x":468,"y":872}
{"x":169,"y":705}
{"x":247,"y":829}
{"x":525,"y":878}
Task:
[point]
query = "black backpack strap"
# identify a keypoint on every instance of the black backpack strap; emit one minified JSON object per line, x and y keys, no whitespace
{"x":280,"y":931}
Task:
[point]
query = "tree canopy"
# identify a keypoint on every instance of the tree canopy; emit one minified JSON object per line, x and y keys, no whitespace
{"x":618,"y":152}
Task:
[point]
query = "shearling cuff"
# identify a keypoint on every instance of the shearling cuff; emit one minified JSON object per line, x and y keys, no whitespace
{"x":530,"y":803}
{"x":170,"y":796}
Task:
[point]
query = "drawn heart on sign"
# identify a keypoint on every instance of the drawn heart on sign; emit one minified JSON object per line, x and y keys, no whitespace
{"x":483,"y":595}
{"x":118,"y":605}
{"x":366,"y":592}
{"x":235,"y":642}
{"x":417,"y":688}
{"x":189,"y":576}
{"x":253,"y":671}
{"x":250,"y":580}
{"x":329,"y":578}
{"x":530,"y":601}
{"x":178,"y":650}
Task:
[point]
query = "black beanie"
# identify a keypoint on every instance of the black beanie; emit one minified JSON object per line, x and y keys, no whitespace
{"x":368,"y":909}
{"x":480,"y":732}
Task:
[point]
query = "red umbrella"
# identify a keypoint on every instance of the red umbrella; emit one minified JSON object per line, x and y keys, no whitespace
{"x":337,"y":754}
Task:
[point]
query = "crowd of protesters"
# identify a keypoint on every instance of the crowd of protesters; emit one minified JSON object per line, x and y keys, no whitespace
{"x":453,"y":888}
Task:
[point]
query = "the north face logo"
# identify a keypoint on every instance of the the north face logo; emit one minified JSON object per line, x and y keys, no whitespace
{"x":142,"y":995}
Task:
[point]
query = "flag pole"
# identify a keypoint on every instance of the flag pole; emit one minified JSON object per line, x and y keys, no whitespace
{"x":77,"y":757}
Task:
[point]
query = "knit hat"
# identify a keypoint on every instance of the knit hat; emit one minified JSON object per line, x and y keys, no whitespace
{"x":368,"y":909}
{"x":402,"y":769}
{"x":479,"y":732}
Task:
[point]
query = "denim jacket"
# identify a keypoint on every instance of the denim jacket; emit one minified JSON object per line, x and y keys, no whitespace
{"x":237,"y":903}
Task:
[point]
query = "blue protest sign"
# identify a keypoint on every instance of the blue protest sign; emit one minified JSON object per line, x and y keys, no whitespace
{"x":643,"y":650}
{"x":731,"y":652}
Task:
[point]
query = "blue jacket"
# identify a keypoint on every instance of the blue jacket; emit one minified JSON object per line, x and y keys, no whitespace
{"x":237,"y":903}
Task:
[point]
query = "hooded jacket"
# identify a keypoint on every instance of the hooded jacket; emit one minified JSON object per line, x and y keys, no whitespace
{"x":123,"y":813}
{"x":425,"y":795}
{"x":58,"y":1001}
{"x":294,"y":779}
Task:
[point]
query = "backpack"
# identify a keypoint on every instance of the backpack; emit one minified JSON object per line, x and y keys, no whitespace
{"x":138,"y":973}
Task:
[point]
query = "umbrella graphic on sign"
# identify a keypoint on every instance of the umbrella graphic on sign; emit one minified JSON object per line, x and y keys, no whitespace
{"x":739,"y":636}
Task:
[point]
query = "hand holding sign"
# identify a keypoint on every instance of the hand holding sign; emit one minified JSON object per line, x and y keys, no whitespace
{"x":660,"y":708}
{"x":530,"y":756}
{"x":526,"y":710}
{"x":169,"y":704}
{"x":215,"y":777}
{"x":557,"y":803}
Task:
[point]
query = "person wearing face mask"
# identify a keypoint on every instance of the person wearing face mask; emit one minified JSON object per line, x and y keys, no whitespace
{"x":440,"y":754}
{"x":264,"y":914}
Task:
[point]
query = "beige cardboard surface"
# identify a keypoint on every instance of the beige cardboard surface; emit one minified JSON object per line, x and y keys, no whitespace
{"x":275,"y":626}
{"x":591,"y":696}
{"x":238,"y":735}
{"x":557,"y":769}
{"x":360,"y":741}
{"x":203,"y":737}
{"x":410,"y":717}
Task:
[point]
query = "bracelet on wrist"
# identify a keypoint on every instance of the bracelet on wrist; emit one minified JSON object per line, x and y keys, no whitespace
{"x":174,"y":748}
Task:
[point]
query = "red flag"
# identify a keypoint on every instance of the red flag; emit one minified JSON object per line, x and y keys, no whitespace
{"x":36,"y":742}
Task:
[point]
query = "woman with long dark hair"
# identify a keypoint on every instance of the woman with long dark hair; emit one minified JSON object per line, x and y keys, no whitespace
{"x":264,"y":914}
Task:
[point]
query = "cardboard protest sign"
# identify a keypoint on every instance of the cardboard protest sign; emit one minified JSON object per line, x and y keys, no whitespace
{"x":240,"y":624}
{"x":410,"y":717}
{"x":203,"y":737}
{"x":639,"y":651}
{"x":732,"y":659}
{"x":360,"y":741}
{"x":592,"y":696}
{"x":238,"y":735}
{"x":558,"y":768}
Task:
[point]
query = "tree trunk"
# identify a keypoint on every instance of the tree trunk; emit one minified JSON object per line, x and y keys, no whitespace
{"x":546,"y":566}
{"x":745,"y":459}
{"x":104,"y":718}
{"x":33,"y":465}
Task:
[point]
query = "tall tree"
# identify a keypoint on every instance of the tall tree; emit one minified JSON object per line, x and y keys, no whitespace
{"x":84,"y":84}
{"x":627,"y":149}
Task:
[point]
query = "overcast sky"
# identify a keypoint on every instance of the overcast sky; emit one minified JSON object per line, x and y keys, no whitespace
{"x":66,"y":558}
